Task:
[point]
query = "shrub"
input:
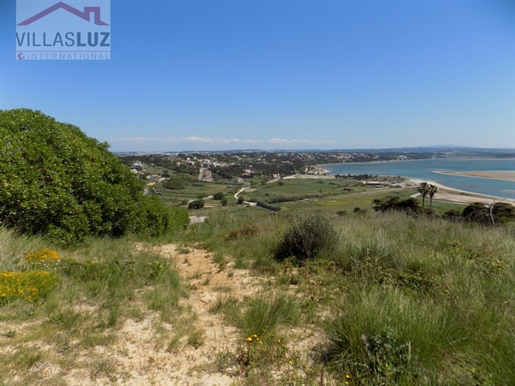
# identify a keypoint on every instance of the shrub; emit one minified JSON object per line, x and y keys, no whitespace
{"x":196,"y":204}
{"x":497,"y":213}
{"x":409,"y":206}
{"x":452,"y":215}
{"x":42,"y":255}
{"x":388,"y":338}
{"x":218,"y":196}
{"x":28,"y":286}
{"x":307,"y":238}
{"x":58,"y":182}
{"x":264,"y":205}
{"x":178,"y":218}
{"x":280,"y":199}
{"x":262,"y":315}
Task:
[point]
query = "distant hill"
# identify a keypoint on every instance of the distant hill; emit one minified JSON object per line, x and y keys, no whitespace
{"x":458,"y":149}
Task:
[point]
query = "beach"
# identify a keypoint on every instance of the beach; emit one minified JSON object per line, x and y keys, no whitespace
{"x":460,"y":196}
{"x":482,"y":179}
{"x":445,"y":193}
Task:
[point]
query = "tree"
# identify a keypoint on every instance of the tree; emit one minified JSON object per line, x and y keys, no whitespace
{"x":432,"y":190}
{"x":60,"y":183}
{"x":496,"y":213}
{"x":475,"y":212}
{"x":196,"y":204}
{"x":502,"y":212}
{"x":224,"y":201}
{"x":218,"y":196}
{"x":175,"y":183}
{"x":423,"y":189}
{"x":408,"y":206}
{"x":241,"y":200}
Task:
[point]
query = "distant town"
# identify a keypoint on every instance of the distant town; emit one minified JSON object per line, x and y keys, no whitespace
{"x":236,"y":166}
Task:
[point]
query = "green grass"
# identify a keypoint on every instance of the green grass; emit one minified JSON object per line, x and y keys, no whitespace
{"x":100,"y":285}
{"x":402,"y":300}
{"x":196,"y":190}
{"x":262,"y":315}
{"x":412,"y":301}
{"x":331,"y":196}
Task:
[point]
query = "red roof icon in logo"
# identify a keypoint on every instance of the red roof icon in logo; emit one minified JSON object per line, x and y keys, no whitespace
{"x":86,"y":14}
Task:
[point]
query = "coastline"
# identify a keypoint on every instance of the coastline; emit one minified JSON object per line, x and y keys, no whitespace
{"x":446,"y":193}
{"x":500,"y":175}
{"x":422,"y":159}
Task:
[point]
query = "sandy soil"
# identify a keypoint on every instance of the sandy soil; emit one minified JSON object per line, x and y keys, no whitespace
{"x":145,"y":362}
{"x":141,"y":354}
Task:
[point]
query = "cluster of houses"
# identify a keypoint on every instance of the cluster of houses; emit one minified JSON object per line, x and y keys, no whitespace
{"x":258,"y":162}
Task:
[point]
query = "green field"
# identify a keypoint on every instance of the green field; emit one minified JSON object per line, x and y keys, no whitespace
{"x":326,"y":195}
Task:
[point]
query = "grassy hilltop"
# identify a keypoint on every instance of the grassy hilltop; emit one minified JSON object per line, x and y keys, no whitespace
{"x":319,"y":294}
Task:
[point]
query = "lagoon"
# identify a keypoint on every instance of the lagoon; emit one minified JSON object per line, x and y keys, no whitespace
{"x":430,"y":170}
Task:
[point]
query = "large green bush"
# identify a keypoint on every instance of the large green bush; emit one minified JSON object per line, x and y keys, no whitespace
{"x":58,"y":182}
{"x":196,"y":204}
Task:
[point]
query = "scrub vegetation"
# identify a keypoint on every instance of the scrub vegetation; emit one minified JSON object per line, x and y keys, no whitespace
{"x":340,"y":287}
{"x":59,"y":183}
{"x":402,"y":300}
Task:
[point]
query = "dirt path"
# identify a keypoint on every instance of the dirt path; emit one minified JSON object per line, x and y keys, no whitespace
{"x":196,"y":347}
{"x":145,"y":361}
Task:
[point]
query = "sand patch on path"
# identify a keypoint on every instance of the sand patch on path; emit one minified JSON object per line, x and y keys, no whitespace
{"x":140,"y":358}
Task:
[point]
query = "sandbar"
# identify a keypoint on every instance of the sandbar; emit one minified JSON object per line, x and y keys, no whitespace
{"x":505,"y":175}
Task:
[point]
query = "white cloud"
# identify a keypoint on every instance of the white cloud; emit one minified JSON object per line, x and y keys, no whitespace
{"x":298,"y":141}
{"x":143,"y":140}
{"x":227,"y":143}
{"x":219,"y":140}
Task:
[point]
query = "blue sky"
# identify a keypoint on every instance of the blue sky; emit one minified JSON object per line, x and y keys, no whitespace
{"x":217,"y":75}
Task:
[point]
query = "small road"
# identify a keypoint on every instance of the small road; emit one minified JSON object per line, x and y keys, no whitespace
{"x":245,"y":202}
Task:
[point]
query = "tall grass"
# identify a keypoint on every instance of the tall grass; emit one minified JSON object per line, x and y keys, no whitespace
{"x":263,"y":315}
{"x":411,"y":301}
{"x":403,"y":300}
{"x":386,"y":335}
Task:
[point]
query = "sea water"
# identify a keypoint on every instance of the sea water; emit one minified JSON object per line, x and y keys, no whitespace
{"x":430,"y":170}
